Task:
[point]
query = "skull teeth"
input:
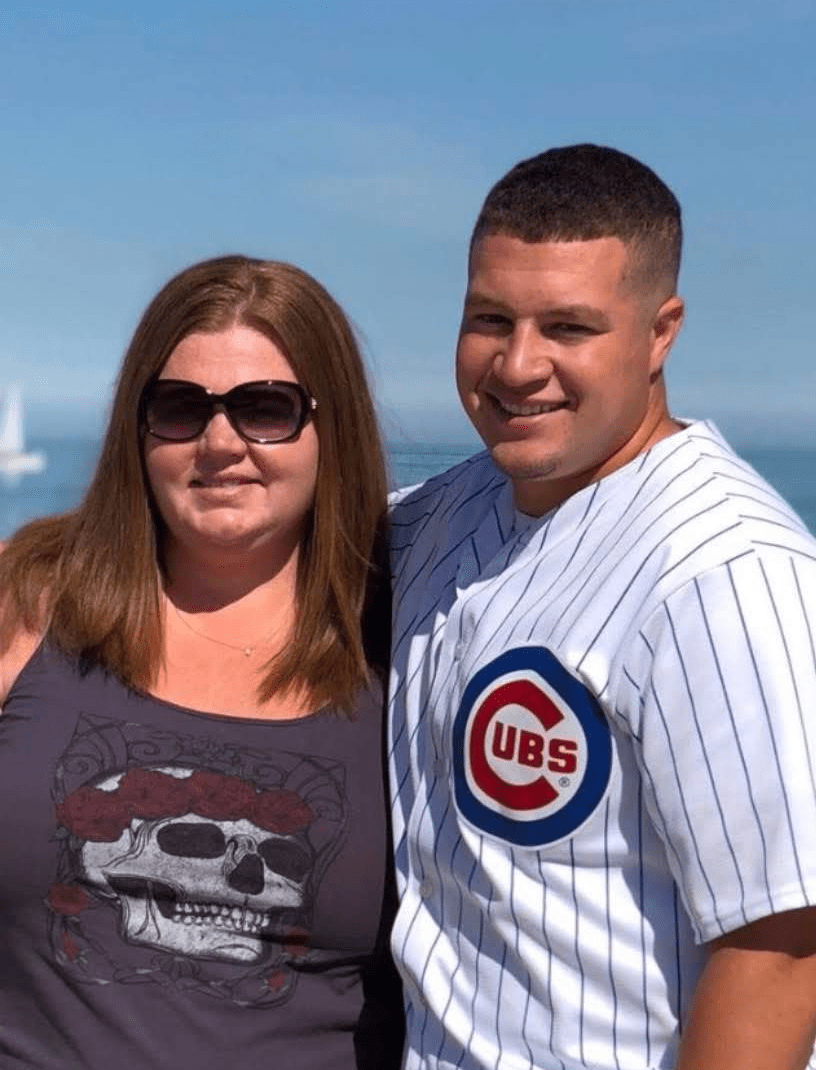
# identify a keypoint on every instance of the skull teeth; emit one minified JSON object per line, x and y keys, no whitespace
{"x":236,"y":919}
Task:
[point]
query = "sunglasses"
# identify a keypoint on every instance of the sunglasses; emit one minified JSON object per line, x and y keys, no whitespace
{"x":267,"y":411}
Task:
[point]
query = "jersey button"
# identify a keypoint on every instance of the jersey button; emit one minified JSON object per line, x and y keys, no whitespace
{"x":426,"y":888}
{"x":439,"y":768}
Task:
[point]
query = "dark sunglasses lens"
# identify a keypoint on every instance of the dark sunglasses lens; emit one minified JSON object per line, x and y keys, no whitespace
{"x":267,"y":413}
{"x":176,"y":411}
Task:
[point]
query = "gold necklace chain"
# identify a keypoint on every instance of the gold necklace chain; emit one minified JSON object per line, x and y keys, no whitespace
{"x":247,"y":651}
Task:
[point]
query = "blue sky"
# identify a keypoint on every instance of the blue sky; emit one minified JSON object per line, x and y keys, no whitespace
{"x":358,"y":140}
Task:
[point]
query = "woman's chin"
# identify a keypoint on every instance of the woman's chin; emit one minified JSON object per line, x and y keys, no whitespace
{"x":233,"y":538}
{"x":228,"y":535}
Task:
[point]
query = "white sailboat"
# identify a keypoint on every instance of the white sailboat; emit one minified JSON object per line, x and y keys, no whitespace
{"x":14,"y":461}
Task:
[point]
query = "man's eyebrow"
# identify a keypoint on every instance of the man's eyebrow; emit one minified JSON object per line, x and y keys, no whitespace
{"x":474,"y":297}
{"x":582,"y":312}
{"x":588,"y":313}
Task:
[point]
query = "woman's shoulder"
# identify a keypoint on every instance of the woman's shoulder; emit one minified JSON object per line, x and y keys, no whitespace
{"x":17,"y":644}
{"x":17,"y":652}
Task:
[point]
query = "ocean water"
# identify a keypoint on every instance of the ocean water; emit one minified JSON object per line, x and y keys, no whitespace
{"x":71,"y":462}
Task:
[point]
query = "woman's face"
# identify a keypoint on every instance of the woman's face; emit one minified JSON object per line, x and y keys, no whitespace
{"x":219,"y":492}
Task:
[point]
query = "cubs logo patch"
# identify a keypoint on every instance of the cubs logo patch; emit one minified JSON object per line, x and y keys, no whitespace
{"x":532,"y":750}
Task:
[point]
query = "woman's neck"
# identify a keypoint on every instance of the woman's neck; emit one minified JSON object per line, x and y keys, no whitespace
{"x":209,"y":582}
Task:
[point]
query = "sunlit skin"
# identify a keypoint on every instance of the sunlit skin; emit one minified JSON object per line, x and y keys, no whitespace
{"x":222,"y":498}
{"x":560,"y":359}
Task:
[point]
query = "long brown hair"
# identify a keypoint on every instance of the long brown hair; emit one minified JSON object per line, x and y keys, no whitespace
{"x":92,"y":576}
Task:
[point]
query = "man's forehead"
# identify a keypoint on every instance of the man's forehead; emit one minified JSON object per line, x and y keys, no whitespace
{"x":501,"y":251}
{"x":570,"y":273}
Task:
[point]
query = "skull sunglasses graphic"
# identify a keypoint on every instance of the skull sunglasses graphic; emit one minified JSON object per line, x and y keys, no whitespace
{"x":199,"y":880}
{"x":187,"y":860}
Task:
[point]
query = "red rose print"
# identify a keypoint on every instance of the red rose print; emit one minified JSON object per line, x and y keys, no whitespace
{"x":94,"y":815}
{"x":148,"y":794}
{"x":68,"y":899}
{"x":70,"y":946}
{"x":220,"y":798}
{"x":275,"y":981}
{"x":282,"y":812}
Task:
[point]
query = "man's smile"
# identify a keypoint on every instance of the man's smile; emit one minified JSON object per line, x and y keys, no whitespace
{"x":507,"y":408}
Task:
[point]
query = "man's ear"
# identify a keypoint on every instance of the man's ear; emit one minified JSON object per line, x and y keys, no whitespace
{"x":665,"y":328}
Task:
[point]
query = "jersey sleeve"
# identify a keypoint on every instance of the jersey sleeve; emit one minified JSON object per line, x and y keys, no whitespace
{"x":720,"y":689}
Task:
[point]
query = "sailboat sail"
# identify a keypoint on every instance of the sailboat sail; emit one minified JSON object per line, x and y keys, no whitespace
{"x":11,"y":428}
{"x":14,"y":461}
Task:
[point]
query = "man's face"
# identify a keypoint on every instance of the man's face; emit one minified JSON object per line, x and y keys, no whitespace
{"x":558,"y":362}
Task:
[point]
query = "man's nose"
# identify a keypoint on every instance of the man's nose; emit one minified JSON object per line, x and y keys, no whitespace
{"x":524,"y":356}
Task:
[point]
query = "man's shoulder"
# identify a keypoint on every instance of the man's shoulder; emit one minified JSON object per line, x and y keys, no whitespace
{"x":692,"y":507}
{"x":438,"y":510}
{"x":696,"y":481}
{"x":472,"y":478}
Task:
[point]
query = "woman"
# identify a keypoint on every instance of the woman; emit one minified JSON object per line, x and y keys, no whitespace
{"x":193,"y":816}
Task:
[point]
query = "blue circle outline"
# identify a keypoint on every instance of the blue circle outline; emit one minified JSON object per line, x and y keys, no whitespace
{"x":546,"y":830}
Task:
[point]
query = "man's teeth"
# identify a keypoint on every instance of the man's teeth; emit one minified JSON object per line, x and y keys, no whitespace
{"x":516,"y":409}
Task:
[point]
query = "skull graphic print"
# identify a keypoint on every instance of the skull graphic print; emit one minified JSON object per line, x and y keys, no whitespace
{"x":211,"y":874}
{"x":202,"y":886}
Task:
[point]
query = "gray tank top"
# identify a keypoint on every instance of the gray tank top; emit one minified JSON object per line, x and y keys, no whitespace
{"x":179,"y":889}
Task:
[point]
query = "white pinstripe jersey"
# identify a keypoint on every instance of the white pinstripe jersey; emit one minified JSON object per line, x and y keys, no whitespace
{"x":602,"y":749}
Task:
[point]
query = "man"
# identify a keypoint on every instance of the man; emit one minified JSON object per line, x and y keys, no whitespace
{"x":604,"y":678}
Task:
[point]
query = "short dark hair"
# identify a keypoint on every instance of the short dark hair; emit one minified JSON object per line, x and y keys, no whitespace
{"x":583,"y":192}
